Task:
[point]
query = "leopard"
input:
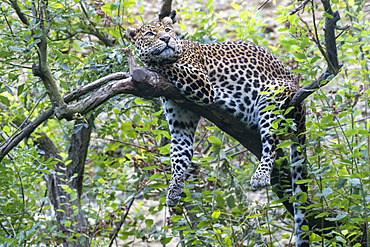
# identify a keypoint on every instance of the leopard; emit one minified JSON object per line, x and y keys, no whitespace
{"x":238,"y":76}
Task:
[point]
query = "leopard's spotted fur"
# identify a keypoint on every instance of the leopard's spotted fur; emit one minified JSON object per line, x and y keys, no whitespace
{"x":231,"y":75}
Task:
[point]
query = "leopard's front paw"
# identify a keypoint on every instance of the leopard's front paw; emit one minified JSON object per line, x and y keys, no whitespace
{"x":174,"y":191}
{"x":260,"y":180}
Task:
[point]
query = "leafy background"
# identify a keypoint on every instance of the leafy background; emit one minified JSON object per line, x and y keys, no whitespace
{"x":127,"y":168}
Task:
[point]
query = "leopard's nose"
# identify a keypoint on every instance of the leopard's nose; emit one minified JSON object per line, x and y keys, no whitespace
{"x":165,"y":39}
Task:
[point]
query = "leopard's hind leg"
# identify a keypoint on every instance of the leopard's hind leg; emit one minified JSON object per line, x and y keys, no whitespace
{"x":182,"y":124}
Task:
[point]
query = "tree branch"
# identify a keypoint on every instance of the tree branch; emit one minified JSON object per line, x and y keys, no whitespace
{"x":60,"y":181}
{"x":330,"y":54}
{"x":300,"y":7}
{"x":32,"y":125}
{"x":42,"y":69}
{"x":19,"y":12}
{"x":165,"y":9}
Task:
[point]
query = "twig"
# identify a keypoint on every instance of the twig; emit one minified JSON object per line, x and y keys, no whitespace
{"x":260,"y":7}
{"x":6,"y":231}
{"x":330,"y":55}
{"x":300,"y":7}
{"x":43,"y":202}
{"x":93,"y":30}
{"x":10,"y":224}
{"x":115,"y":233}
{"x":26,"y":120}
{"x":337,"y":126}
{"x":307,"y":26}
{"x":16,"y":65}
{"x":331,"y":66}
{"x":28,"y":209}
{"x":343,"y":29}
{"x":130,"y":144}
{"x":22,"y":189}
{"x":7,"y":22}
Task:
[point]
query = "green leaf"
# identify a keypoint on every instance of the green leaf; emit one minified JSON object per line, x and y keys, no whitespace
{"x":268,"y":108}
{"x":327,"y":191}
{"x":196,"y":196}
{"x":20,"y":89}
{"x":321,"y":215}
{"x":210,"y":2}
{"x":220,"y":201}
{"x":158,"y":186}
{"x":230,"y":201}
{"x":305,"y":228}
{"x":216,"y":214}
{"x":147,"y":168}
{"x":157,"y":176}
{"x":140,"y":101}
{"x":326,"y":14}
{"x":73,"y":195}
{"x":215,"y":141}
{"x":177,"y":217}
{"x":149,"y":222}
{"x":4,"y":100}
{"x":300,"y":56}
{"x":235,"y":6}
{"x":106,"y":8}
{"x":100,"y":180}
{"x":354,"y":181}
{"x":165,"y":241}
{"x":284,"y":144}
{"x":253,"y":216}
{"x":65,"y":67}
{"x":327,"y":119}
{"x":339,"y":217}
{"x":341,"y":182}
{"x":351,"y":132}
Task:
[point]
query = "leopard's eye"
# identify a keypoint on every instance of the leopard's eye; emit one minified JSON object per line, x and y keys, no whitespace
{"x":168,"y":30}
{"x":149,"y":34}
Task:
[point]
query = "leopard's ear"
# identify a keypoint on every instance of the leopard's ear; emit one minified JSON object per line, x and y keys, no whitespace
{"x":131,"y":34}
{"x":167,"y":21}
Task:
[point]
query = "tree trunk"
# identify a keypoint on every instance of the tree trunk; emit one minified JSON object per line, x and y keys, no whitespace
{"x":65,"y":184}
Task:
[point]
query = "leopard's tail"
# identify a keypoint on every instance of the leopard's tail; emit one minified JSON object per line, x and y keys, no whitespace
{"x":299,"y":190}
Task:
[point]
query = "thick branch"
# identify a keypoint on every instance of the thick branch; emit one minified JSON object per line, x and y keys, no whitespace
{"x":32,"y":125}
{"x":94,"y":85}
{"x":42,"y":69}
{"x":307,"y":90}
{"x":165,"y":9}
{"x":330,"y":38}
{"x":66,"y":206}
{"x":77,"y":153}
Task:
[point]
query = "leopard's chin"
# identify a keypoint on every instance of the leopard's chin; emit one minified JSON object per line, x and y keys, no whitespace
{"x":168,"y":50}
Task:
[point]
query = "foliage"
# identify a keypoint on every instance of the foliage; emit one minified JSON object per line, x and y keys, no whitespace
{"x":127,"y":168}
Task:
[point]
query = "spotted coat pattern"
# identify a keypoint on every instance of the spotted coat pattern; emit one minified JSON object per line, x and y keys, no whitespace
{"x":240,"y":77}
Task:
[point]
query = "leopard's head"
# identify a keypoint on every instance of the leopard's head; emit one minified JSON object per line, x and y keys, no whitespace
{"x":156,"y":43}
